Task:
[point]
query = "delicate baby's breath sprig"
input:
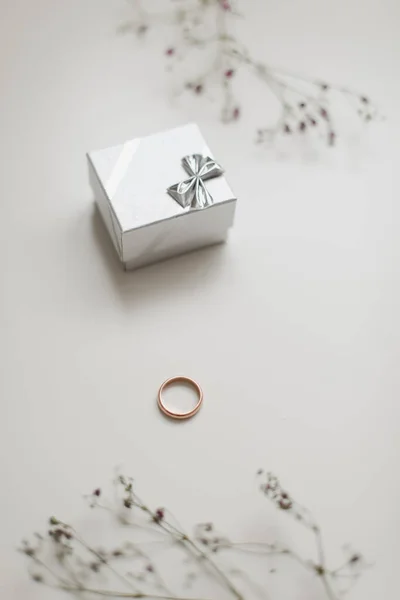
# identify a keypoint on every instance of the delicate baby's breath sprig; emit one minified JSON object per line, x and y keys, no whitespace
{"x":308,"y":106}
{"x":63,"y":560}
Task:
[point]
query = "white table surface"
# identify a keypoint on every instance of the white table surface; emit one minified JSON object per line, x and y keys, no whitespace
{"x":292,"y":328}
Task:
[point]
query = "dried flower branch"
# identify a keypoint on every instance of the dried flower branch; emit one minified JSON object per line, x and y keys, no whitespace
{"x":306,"y":105}
{"x":62,"y":560}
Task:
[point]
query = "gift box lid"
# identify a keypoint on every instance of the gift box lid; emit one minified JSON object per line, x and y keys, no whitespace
{"x":135,"y":176}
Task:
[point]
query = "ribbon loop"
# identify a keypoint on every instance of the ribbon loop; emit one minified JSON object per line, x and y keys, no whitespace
{"x":193,"y":192}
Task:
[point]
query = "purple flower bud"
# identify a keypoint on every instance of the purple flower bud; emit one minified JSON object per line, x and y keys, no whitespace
{"x":159,"y":515}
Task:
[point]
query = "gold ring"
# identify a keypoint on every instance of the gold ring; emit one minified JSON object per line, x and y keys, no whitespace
{"x":177,"y":415}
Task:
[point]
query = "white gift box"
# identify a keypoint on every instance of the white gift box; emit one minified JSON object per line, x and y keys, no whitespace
{"x":149,"y":222}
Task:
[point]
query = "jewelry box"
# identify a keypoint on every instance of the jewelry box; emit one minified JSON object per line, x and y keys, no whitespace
{"x":161,"y":195}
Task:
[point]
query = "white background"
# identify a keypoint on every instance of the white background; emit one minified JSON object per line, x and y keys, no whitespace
{"x":292,"y":328}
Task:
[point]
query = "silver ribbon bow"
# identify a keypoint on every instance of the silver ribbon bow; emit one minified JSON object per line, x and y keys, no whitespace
{"x":192,"y":192}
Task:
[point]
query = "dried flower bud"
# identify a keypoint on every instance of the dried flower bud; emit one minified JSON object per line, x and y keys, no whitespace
{"x":302,"y":126}
{"x":141,"y":30}
{"x":285,"y":504}
{"x":198,"y":88}
{"x":324,"y":113}
{"x":159,"y":515}
{"x":364,"y":99}
{"x":286,"y":129}
{"x":56,"y":534}
{"x":229,"y":73}
{"x":97,"y":492}
{"x":127,"y":503}
{"x":356,"y":558}
{"x":302,"y":105}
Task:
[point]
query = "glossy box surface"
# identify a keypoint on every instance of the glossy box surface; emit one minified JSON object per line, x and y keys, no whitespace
{"x":145,"y":222}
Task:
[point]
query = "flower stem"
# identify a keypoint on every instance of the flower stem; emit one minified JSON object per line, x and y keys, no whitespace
{"x":194,"y":549}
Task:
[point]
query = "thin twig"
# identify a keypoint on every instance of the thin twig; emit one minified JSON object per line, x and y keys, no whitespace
{"x":191,"y":546}
{"x":122,"y":578}
{"x":230,"y":54}
{"x":322,"y":561}
{"x":66,"y":542}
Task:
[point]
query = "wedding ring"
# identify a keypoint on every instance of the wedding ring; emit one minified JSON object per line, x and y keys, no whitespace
{"x":180,"y":415}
